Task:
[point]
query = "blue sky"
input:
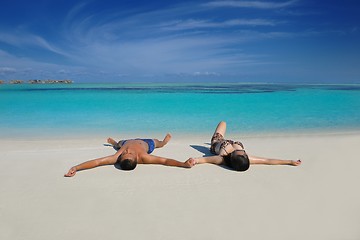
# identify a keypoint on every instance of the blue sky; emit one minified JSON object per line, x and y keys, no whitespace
{"x":124,"y":41}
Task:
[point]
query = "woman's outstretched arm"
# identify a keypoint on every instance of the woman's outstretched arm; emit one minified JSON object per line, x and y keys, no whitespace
{"x":270,"y":161}
{"x":216,"y":159}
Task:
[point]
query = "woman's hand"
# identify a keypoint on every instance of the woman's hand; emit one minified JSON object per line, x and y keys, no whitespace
{"x":71,"y":172}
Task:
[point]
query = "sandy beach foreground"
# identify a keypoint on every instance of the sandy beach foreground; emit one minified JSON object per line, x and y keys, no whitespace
{"x":318,"y":200}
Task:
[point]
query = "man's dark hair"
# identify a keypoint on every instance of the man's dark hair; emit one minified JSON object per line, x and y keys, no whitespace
{"x":240,"y":162}
{"x":127,"y":164}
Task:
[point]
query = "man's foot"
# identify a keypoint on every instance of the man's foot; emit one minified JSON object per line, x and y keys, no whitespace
{"x":166,"y":138}
{"x":296,"y":163}
{"x":111,"y":141}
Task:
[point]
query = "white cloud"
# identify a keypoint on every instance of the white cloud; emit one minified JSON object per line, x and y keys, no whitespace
{"x":194,"y":24}
{"x":24,"y":40}
{"x":206,"y":74}
{"x":63,"y":71}
{"x":7,"y":70}
{"x":165,"y":41}
{"x":148,"y":43}
{"x":250,"y":4}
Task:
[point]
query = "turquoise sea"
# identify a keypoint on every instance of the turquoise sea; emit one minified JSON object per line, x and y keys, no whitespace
{"x":143,"y":109}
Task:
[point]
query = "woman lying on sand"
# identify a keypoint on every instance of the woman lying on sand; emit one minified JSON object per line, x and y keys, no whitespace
{"x":130,"y":153}
{"x":232,"y":153}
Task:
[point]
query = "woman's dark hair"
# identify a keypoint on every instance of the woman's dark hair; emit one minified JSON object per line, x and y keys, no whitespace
{"x":239,"y":162}
{"x":127,"y":164}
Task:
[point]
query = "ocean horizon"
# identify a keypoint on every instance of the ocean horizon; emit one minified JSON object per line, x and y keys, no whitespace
{"x":180,"y":108}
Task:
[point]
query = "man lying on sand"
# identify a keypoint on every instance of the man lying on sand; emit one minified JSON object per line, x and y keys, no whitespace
{"x":130,"y":153}
{"x":232,"y":153}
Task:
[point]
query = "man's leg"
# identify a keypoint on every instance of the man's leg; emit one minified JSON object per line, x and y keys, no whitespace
{"x":159,"y":144}
{"x":116,"y":145}
{"x":111,"y":141}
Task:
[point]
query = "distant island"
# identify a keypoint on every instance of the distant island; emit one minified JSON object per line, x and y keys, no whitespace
{"x":36,"y":81}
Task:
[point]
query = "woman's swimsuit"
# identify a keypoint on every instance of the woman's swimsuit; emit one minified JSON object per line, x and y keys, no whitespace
{"x":149,"y":142}
{"x":218,"y":142}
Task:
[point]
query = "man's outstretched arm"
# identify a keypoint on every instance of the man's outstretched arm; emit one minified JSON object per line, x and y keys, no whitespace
{"x":92,"y":164}
{"x":151,"y":159}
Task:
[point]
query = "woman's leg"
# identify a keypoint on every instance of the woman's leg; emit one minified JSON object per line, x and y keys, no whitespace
{"x":159,"y":144}
{"x":218,"y":143}
{"x":221,"y":128}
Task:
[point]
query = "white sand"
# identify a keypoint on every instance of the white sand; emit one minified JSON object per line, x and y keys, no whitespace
{"x":318,"y":200}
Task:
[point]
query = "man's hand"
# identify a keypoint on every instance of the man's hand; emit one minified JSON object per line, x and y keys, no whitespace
{"x":71,"y":172}
{"x":190,"y":163}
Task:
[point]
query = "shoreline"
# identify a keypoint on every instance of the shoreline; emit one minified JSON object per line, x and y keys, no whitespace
{"x":255,"y":143}
{"x":81,"y":135}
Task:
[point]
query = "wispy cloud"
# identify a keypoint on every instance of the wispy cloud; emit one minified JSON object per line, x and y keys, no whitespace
{"x":190,"y":38}
{"x":24,"y":40}
{"x":251,"y":4}
{"x":165,"y":41}
{"x":196,"y":24}
{"x":7,"y":70}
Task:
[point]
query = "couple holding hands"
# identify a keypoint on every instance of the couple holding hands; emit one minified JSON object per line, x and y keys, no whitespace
{"x":138,"y":151}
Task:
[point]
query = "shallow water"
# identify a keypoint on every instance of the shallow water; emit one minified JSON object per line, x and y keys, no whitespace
{"x":177,"y":108}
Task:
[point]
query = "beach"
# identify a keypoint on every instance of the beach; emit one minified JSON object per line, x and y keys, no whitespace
{"x":284,"y":75}
{"x":317,"y":200}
